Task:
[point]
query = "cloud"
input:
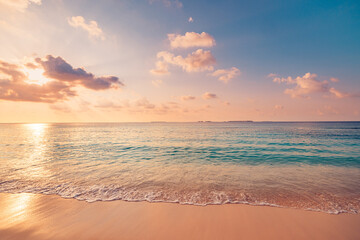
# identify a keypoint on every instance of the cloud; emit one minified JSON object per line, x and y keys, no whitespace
{"x":307,"y":85}
{"x":57,"y":68}
{"x":60,"y":107}
{"x":225,"y":75}
{"x":168,"y":3}
{"x":190,"y":19}
{"x":13,"y":87}
{"x":197,"y":61}
{"x":144,"y":103}
{"x":191,"y":39}
{"x":161,"y":68}
{"x":91,"y":28}
{"x":19,"y":5}
{"x":208,"y":96}
{"x":144,"y":106}
{"x":272,"y":75}
{"x":31,"y":65}
{"x":187,"y":98}
{"x":15,"y":82}
{"x":337,"y":93}
{"x":109,"y":105}
{"x":79,"y":105}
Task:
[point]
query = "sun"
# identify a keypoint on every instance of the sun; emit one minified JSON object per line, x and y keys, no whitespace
{"x":36,"y":76}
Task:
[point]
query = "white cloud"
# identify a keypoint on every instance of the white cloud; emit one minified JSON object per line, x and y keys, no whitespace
{"x":91,"y":28}
{"x":225,"y":75}
{"x":197,"y":61}
{"x":191,"y":39}
{"x":308,"y":84}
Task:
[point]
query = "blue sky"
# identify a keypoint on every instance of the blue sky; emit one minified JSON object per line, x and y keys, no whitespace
{"x":285,"y":38}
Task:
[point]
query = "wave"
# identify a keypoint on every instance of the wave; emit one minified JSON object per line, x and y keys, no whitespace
{"x":93,"y":193}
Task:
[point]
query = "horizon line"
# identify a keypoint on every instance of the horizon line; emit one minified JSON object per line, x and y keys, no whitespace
{"x":200,"y":121}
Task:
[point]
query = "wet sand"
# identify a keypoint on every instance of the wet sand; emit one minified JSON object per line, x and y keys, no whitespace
{"x":34,"y":216}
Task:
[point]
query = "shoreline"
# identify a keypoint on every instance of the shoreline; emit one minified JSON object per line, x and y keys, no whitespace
{"x":264,"y":204}
{"x":38,"y":216}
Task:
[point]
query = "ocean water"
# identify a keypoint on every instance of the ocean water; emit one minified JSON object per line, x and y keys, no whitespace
{"x":312,"y":166}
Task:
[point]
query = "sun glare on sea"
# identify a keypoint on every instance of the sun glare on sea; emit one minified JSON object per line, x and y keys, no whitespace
{"x":36,"y":131}
{"x":36,"y":76}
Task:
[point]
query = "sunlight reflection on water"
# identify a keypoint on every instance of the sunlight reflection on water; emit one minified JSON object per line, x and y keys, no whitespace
{"x":306,"y":165}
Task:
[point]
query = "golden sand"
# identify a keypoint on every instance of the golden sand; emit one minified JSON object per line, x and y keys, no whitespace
{"x":34,"y":216}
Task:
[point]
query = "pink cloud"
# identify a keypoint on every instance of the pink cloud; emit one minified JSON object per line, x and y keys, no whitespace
{"x":208,"y":96}
{"x":143,"y":106}
{"x":307,"y":85}
{"x":337,"y":93}
{"x":91,"y":28}
{"x":31,"y":65}
{"x":144,"y":103}
{"x":198,"y":60}
{"x":272,"y":75}
{"x":109,"y":105}
{"x":191,"y":39}
{"x":60,"y":107}
{"x":15,"y":85}
{"x":225,"y":75}
{"x":57,"y":68}
{"x":187,"y":98}
{"x":160,"y":69}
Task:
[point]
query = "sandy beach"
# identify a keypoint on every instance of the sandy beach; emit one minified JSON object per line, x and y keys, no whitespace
{"x":35,"y":216}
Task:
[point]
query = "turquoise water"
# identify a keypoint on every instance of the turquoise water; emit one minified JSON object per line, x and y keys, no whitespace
{"x":313,"y":166}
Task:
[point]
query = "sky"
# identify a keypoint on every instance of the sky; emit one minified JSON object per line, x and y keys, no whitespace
{"x":177,"y":60}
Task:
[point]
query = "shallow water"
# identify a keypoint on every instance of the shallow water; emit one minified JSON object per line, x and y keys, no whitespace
{"x":314,"y":166}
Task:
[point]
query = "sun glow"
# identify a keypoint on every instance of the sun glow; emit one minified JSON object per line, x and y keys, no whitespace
{"x":36,"y":76}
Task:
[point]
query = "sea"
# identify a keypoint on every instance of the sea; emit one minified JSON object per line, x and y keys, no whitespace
{"x":304,"y":165}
